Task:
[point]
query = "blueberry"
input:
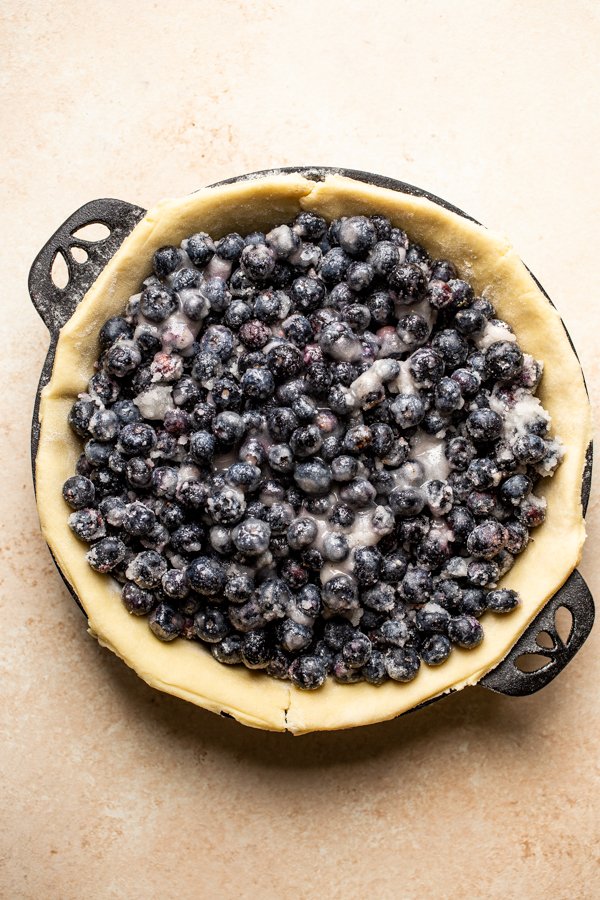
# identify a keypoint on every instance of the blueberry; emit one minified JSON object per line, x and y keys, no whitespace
{"x":356,"y":235}
{"x":459,"y":452}
{"x":147,"y":568}
{"x":393,"y":567}
{"x":308,"y":293}
{"x":366,"y":565}
{"x":273,"y":599}
{"x":228,"y":650}
{"x":393,"y":633}
{"x":435,"y":650}
{"x":165,"y":622}
{"x":374,"y":670}
{"x":228,"y":428}
{"x":292,"y":636}
{"x":298,"y":330}
{"x":343,"y":673}
{"x":309,"y":226}
{"x":484,"y":425}
{"x":200,"y":248}
{"x":482,"y":572}
{"x":256,"y":651}
{"x":226,"y":507}
{"x":487,"y":539}
{"x":529,"y":448}
{"x":308,"y":672}
{"x":136,"y":600}
{"x":469,"y":321}
{"x":426,"y":366}
{"x":206,"y":576}
{"x":517,"y":537}
{"x":79,"y":492}
{"x":106,"y":554}
{"x":359,"y":275}
{"x":503,"y":360}
{"x":405,"y":502}
{"x":408,"y":281}
{"x":408,"y":410}
{"x":532,"y":511}
{"x":515,"y":488}
{"x":103,"y":388}
{"x":358,"y":493}
{"x":439,"y":294}
{"x":468,"y":381}
{"x":443,"y":270}
{"x":313,"y":477}
{"x":417,"y":585}
{"x":339,"y":594}
{"x":402,"y":664}
{"x":502,"y":600}
{"x":79,"y":416}
{"x":484,"y":473}
{"x":230,"y":247}
{"x":357,"y":651}
{"x":257,"y":261}
{"x":87,"y":524}
{"x":113,"y":510}
{"x":383,"y":257}
{"x":239,"y":587}
{"x":465,"y":631}
{"x":138,"y":472}
{"x":447,"y":396}
{"x":114,"y":329}
{"x":474,"y":602}
{"x":438,"y":496}
{"x":138,"y":519}
{"x":175,"y":584}
{"x":251,"y":536}
{"x":279,"y":517}
{"x":126,"y":412}
{"x":462,"y":293}
{"x":381,"y":306}
{"x":157,"y":303}
{"x":210,"y":625}
{"x":334,"y":265}
{"x":247,"y":617}
{"x":432,"y":617}
{"x":165,"y":260}
{"x":137,"y":438}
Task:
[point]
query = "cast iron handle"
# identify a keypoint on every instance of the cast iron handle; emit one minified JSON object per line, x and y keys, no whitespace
{"x":54,"y":304}
{"x":506,"y":678}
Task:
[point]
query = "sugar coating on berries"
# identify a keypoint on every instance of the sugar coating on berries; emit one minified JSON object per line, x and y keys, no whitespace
{"x":313,"y":450}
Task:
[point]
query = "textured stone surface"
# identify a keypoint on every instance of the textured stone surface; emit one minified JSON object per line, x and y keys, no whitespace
{"x":113,"y":790}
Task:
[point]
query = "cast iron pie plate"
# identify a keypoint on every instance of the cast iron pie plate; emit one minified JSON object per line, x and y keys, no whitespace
{"x":545,"y":575}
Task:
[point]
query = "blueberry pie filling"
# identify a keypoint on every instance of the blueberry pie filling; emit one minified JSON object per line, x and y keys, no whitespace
{"x":314,"y":450}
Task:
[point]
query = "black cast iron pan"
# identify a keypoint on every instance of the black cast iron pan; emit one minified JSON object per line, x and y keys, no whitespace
{"x":56,"y":305}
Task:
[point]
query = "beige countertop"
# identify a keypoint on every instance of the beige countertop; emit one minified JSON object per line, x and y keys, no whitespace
{"x":111,"y":790}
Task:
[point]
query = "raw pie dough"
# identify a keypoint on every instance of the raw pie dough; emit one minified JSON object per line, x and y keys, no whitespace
{"x":185,"y":668}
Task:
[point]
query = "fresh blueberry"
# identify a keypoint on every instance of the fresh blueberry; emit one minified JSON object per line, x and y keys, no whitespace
{"x":435,"y":650}
{"x":165,"y":622}
{"x":157,"y":303}
{"x":79,"y":492}
{"x":402,"y":664}
{"x":465,"y":631}
{"x":308,"y":672}
{"x":502,"y":600}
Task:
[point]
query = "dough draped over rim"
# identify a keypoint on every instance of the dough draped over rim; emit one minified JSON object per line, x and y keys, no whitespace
{"x":185,"y":668}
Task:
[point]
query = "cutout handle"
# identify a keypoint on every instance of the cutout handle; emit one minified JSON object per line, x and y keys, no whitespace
{"x":56,"y":300}
{"x":508,"y":678}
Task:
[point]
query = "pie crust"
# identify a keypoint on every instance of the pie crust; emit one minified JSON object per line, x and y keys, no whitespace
{"x":186,"y":669}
